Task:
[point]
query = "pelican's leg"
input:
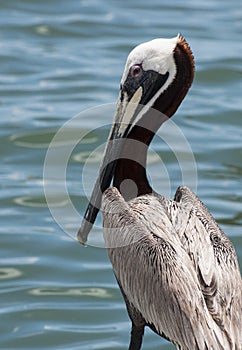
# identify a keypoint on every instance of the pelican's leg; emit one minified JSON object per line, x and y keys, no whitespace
{"x":136,"y":337}
{"x":138,"y":323}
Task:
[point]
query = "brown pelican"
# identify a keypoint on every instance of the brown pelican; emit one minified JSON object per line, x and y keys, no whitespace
{"x":176,"y":269}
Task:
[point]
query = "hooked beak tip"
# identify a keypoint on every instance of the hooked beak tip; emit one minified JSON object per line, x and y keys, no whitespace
{"x":84,"y":231}
{"x":81,"y":240}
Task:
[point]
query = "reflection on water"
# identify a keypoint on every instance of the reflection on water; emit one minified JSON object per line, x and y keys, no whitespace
{"x":58,"y":59}
{"x":9,"y":273}
{"x":92,"y":292}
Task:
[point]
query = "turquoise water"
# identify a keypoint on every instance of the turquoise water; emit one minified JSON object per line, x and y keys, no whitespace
{"x":60,"y":58}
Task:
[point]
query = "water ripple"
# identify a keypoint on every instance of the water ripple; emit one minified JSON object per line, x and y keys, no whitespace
{"x":9,"y":273}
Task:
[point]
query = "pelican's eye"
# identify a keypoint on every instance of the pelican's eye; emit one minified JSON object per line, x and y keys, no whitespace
{"x":136,"y":71}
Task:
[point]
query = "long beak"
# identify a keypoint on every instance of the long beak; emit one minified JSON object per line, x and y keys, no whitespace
{"x":134,"y":100}
{"x":123,"y":120}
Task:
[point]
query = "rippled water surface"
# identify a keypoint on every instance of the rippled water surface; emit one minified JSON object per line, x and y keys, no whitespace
{"x":60,"y":58}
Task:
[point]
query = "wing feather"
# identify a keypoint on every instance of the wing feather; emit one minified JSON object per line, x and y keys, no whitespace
{"x":166,"y":267}
{"x":217,"y":266}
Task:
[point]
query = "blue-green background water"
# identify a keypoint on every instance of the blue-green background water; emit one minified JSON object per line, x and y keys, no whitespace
{"x":58,"y":58}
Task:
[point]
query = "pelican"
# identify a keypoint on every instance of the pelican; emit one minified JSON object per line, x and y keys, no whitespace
{"x":176,"y":269}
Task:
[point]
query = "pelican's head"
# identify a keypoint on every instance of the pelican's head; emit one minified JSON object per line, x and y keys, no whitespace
{"x":150,"y":68}
{"x":157,"y":74}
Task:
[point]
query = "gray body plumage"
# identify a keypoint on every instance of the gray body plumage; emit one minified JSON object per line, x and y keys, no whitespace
{"x":177,"y":270}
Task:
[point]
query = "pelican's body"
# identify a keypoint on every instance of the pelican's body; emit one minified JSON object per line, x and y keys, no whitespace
{"x":177,"y":270}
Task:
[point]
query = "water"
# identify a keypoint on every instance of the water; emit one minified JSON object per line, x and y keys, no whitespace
{"x":59,"y":58}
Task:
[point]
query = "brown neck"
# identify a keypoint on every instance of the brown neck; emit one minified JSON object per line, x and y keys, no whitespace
{"x":171,"y":99}
{"x":130,"y":174}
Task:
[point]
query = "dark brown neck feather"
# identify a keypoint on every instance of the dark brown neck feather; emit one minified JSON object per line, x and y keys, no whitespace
{"x":171,"y":99}
{"x":132,"y":165}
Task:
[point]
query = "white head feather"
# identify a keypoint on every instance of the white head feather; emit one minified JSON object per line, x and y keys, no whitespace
{"x":156,"y":55}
